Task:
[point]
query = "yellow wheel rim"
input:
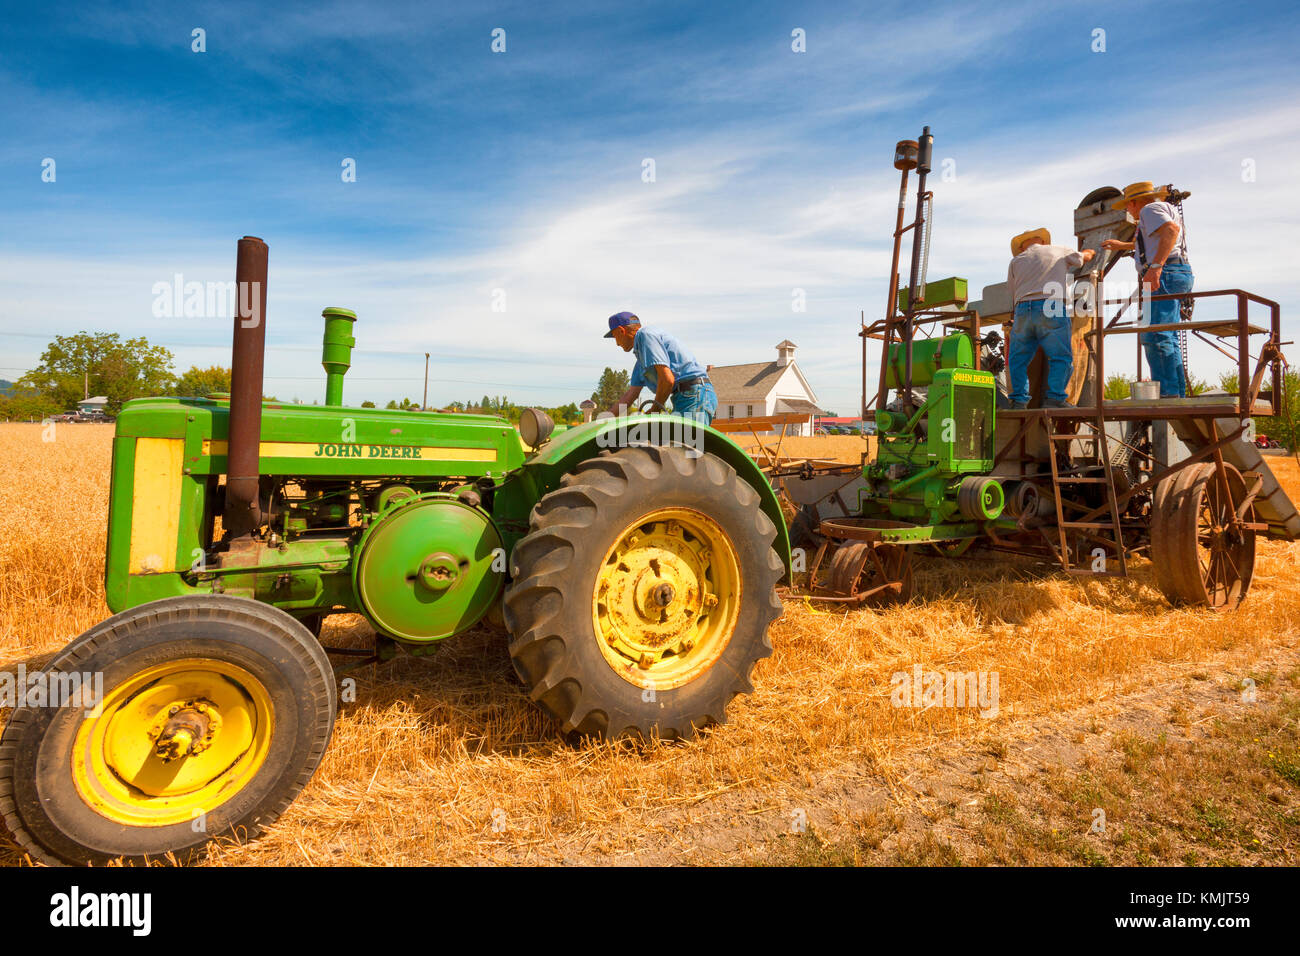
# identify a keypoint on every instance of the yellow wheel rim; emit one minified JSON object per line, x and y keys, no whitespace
{"x":173,"y":742}
{"x":667,"y":598}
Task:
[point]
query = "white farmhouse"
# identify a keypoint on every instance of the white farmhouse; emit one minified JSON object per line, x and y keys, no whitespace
{"x":764,"y":389}
{"x":91,"y":405}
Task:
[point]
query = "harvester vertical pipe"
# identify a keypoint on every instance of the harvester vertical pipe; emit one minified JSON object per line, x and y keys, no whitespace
{"x":926,"y":144}
{"x":242,"y":513}
{"x":905,"y":155}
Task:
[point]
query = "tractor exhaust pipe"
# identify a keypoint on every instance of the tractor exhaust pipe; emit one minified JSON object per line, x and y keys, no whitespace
{"x":243,"y":515}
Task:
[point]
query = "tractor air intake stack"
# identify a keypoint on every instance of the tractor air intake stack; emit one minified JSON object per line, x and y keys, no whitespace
{"x":242,"y":514}
{"x":336,"y":354}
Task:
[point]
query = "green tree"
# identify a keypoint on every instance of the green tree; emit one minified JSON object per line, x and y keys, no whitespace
{"x":100,"y":363}
{"x":610,"y":388}
{"x":27,"y":405}
{"x":1283,"y":426}
{"x":367,"y":404}
{"x":202,"y":382}
{"x":1117,"y":387}
{"x":568,"y":414}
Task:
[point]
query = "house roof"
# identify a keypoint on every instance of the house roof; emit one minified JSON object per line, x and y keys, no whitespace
{"x":799,"y":406}
{"x":97,"y":400}
{"x":787,"y":344}
{"x":738,"y":383}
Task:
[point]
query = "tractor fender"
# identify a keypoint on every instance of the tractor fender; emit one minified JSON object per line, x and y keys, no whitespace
{"x":562,"y":453}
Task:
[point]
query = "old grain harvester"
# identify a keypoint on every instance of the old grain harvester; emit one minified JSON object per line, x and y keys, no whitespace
{"x":1089,"y":487}
{"x":635,"y":569}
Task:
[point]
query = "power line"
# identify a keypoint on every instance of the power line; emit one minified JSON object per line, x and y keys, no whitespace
{"x":271,"y":346}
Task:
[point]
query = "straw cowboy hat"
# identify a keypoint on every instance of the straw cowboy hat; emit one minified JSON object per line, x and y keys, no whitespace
{"x":1024,"y":237}
{"x":1136,"y":191}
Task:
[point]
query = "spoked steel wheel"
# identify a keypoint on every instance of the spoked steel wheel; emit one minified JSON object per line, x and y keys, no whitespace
{"x":1202,"y":552}
{"x":882,"y":573}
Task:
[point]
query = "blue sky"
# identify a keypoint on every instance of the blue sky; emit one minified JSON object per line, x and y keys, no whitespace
{"x":522,"y":171}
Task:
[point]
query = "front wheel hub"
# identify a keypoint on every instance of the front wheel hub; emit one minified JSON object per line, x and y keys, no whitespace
{"x":172,"y":741}
{"x":185,"y":729}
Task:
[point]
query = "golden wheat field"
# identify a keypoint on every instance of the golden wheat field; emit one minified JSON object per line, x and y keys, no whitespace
{"x":445,"y":761}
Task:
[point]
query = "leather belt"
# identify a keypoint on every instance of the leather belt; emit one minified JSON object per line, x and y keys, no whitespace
{"x":682,"y":384}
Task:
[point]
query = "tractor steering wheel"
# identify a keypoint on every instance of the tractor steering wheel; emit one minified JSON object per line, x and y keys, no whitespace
{"x":646,"y":407}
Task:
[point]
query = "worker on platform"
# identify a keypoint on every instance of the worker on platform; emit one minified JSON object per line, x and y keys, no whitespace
{"x":664,"y":366}
{"x":1037,"y":279}
{"x":1160,"y":254}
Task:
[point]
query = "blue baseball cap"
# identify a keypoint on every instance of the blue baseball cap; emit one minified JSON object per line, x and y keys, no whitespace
{"x":620,"y":319}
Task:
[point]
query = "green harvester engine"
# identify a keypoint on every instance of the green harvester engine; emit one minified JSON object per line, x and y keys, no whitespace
{"x":936,"y":453}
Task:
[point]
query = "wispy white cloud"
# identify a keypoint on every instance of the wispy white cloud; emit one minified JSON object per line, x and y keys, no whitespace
{"x":794,"y":192}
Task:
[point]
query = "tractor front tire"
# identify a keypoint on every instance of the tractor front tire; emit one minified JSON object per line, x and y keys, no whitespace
{"x":213,"y":713}
{"x":642,"y":596}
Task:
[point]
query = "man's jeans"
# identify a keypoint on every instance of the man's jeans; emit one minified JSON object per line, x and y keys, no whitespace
{"x":1163,"y":350}
{"x":1032,"y":328}
{"x":699,"y":402}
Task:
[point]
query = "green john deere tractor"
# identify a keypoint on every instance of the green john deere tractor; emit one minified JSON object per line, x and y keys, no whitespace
{"x":634,"y":562}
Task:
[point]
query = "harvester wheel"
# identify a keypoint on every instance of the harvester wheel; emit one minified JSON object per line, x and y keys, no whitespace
{"x":642,"y":596}
{"x":1163,"y":509}
{"x":213,"y":714}
{"x":860,"y":568}
{"x":1200,"y":559}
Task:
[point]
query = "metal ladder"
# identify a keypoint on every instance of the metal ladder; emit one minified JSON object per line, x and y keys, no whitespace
{"x":1094,"y":530}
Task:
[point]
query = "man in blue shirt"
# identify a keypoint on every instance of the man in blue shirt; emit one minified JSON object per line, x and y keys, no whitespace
{"x":664,"y":365}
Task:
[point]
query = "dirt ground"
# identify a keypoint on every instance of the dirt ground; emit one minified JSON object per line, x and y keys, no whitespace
{"x":1179,"y":726}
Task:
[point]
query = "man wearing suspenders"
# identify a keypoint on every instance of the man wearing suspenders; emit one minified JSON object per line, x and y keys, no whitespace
{"x":1160,"y":252}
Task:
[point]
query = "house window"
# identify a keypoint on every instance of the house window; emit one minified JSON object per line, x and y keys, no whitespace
{"x":749,"y":411}
{"x":731,"y":411}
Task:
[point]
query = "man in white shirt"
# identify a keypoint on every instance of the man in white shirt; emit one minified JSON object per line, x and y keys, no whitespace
{"x":1037,"y":279}
{"x":1160,"y":253}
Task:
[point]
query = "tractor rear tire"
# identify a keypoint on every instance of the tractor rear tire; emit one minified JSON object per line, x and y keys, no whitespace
{"x":642,"y":596}
{"x":239,"y":695}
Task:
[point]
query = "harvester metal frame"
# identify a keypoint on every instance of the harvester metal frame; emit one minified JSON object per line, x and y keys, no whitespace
{"x":1089,"y":507}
